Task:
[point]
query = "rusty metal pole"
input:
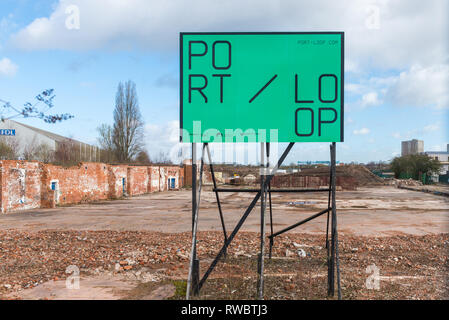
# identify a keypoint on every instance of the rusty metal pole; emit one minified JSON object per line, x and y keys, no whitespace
{"x":263,"y":197}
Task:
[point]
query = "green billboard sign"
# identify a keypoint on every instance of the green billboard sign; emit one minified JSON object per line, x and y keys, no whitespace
{"x":262,"y":87}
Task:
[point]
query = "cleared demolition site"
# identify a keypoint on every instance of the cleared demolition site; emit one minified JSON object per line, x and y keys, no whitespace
{"x":97,"y":236}
{"x":121,"y":231}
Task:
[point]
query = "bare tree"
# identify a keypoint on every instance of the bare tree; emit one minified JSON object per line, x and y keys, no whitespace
{"x":9,"y":149}
{"x":44,"y":153}
{"x":143,"y":157}
{"x":67,"y":153}
{"x":105,"y":138}
{"x":127,"y":131}
{"x":163,"y":158}
{"x":37,"y":109}
{"x":105,"y":141}
{"x":30,"y":150}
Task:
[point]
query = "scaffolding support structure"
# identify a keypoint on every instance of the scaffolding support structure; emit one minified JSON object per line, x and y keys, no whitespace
{"x":194,"y":283}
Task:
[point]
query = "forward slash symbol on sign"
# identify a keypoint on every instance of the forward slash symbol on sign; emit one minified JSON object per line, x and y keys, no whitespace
{"x":263,"y":88}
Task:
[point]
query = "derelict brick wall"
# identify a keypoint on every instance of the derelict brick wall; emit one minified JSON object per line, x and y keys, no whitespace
{"x":292,"y":180}
{"x":137,"y":180}
{"x":154,"y":179}
{"x":174,"y":172}
{"x":163,"y":183}
{"x":20,"y":184}
{"x":181,"y":177}
{"x":116,"y":175}
{"x":89,"y":181}
{"x":27,"y":184}
{"x":187,"y":174}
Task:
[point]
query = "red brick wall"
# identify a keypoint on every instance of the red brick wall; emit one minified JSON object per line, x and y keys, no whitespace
{"x":20,"y":184}
{"x":294,"y":180}
{"x":169,"y":172}
{"x":154,"y":179}
{"x":89,"y":181}
{"x":27,"y":184}
{"x":137,"y":180}
{"x":116,"y":175}
{"x":187,"y":174}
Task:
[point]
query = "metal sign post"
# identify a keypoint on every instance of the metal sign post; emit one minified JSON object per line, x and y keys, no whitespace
{"x":237,"y":87}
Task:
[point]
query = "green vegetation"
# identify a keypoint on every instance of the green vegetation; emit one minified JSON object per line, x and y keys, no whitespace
{"x":181,"y":289}
{"x":414,"y":166}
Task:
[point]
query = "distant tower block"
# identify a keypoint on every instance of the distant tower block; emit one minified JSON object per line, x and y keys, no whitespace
{"x":412,"y":147}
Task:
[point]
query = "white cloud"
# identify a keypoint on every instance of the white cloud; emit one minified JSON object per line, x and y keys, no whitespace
{"x":349,"y":120}
{"x":161,"y":138}
{"x":432,"y":127}
{"x":156,"y":24}
{"x":362,"y":131}
{"x":422,"y":86}
{"x":353,"y":88}
{"x":7,"y":67}
{"x":418,"y":86}
{"x":370,"y":99}
{"x":419,"y":132}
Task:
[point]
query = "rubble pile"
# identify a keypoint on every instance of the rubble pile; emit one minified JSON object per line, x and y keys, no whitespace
{"x":411,"y":267}
{"x":403,"y":182}
{"x":361,"y":174}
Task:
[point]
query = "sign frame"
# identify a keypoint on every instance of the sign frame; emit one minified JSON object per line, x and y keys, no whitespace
{"x":342,"y":58}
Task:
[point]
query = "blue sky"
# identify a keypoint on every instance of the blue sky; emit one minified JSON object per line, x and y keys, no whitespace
{"x":396,"y":81}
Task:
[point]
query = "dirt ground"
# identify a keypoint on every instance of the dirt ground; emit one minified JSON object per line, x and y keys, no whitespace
{"x":138,"y":248}
{"x":378,"y":211}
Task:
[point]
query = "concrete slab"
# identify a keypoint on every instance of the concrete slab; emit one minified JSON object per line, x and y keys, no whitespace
{"x":379,"y":211}
{"x":90,"y":288}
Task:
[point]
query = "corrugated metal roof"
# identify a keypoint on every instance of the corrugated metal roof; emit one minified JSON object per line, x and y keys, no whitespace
{"x":51,"y":135}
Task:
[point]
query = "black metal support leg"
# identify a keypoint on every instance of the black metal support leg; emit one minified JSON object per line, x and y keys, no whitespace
{"x":193,"y":277}
{"x":216,"y":194}
{"x":271,"y":207}
{"x":263,"y":198}
{"x":271,"y":220}
{"x":299,"y":223}
{"x":331,"y":269}
{"x":334,"y":217}
{"x":329,"y":205}
{"x":194,"y":169}
{"x":243,"y":218}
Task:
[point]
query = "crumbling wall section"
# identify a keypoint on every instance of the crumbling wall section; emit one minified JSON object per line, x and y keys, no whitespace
{"x":86,"y":182}
{"x":176,"y":173}
{"x":154,"y":179}
{"x":20,"y":184}
{"x":299,"y":181}
{"x":118,"y":181}
{"x":163,"y":182}
{"x":30,"y":184}
{"x":137,"y":180}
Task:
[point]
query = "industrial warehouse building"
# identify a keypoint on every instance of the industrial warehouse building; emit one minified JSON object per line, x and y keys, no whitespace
{"x":443,"y":157}
{"x":25,"y":137}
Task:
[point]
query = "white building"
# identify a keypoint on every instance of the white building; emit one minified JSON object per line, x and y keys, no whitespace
{"x":443,"y":157}
{"x":25,"y":136}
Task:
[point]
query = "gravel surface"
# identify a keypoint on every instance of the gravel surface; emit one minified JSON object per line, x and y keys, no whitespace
{"x":410,"y":267}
